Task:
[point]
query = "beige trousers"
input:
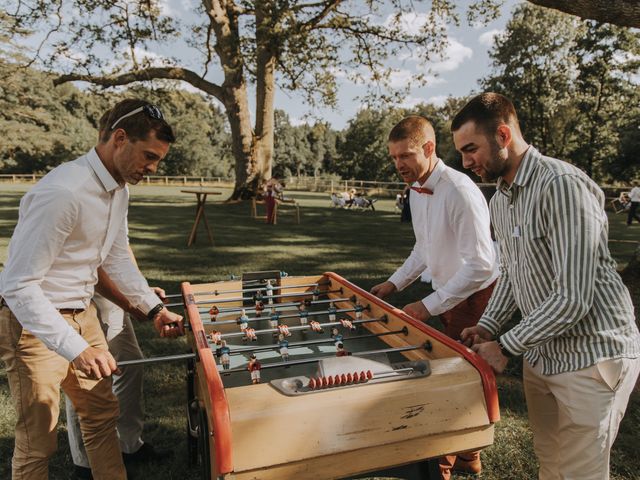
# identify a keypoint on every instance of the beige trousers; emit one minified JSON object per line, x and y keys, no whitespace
{"x":575,"y":416}
{"x":127,"y":387}
{"x":35,"y":376}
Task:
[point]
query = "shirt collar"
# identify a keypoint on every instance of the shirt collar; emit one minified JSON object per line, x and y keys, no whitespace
{"x":525,"y":170}
{"x":108,"y":182}
{"x":433,"y":178}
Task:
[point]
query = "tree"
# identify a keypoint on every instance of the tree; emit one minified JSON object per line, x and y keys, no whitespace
{"x":625,"y":13}
{"x":606,"y":97}
{"x":298,"y":45}
{"x":533,"y":65}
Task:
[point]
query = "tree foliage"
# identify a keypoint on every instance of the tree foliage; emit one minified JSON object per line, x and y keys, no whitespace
{"x":293,"y":45}
{"x":572,"y":85}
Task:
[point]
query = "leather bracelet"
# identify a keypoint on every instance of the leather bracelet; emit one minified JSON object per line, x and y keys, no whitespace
{"x":154,"y":311}
{"x":504,"y":351}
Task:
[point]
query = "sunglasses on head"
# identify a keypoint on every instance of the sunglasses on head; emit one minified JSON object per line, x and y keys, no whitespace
{"x":151,"y":110}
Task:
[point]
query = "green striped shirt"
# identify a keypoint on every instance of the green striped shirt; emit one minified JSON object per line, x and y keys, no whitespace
{"x":556,"y":268}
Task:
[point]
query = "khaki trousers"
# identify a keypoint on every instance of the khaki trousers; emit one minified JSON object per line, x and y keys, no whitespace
{"x":127,"y":387}
{"x":575,"y":416}
{"x":35,"y":376}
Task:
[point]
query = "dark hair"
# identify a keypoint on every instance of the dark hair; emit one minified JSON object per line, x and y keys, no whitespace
{"x":412,"y":128}
{"x":137,"y":126}
{"x":488,"y":110}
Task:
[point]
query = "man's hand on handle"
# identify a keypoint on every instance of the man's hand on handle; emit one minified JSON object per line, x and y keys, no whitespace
{"x":417,"y":310}
{"x":383,"y":289}
{"x":96,"y":363}
{"x":474,"y":335}
{"x":169,"y":324}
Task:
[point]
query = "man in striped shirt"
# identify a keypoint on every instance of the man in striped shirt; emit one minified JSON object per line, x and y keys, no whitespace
{"x":578,"y":335}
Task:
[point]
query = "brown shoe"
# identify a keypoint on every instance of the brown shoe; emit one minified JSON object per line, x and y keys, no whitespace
{"x":468,"y":463}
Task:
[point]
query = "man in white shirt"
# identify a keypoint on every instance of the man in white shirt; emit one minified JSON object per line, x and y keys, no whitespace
{"x":71,"y":223}
{"x":634,"y":197}
{"x":452,"y":228}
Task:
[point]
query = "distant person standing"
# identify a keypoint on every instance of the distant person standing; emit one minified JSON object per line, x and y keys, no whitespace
{"x":634,"y":196}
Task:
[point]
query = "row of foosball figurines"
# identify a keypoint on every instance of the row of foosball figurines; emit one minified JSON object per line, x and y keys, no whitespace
{"x":281,"y":331}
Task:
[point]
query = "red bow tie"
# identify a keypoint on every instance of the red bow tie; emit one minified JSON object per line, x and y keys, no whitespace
{"x":425,"y":191}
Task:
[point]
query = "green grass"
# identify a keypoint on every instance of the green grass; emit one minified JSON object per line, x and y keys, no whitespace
{"x":364,"y":247}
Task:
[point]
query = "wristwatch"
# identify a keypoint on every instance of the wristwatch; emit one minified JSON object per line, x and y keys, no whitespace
{"x":504,"y":351}
{"x":154,"y":311}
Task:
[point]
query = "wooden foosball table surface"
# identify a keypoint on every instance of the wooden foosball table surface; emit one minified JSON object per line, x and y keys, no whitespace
{"x":311,"y":377}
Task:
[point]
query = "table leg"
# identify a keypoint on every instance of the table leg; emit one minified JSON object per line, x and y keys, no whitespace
{"x":206,"y":223}
{"x":192,"y":236}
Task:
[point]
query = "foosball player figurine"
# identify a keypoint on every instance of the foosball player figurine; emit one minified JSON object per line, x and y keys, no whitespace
{"x":284,"y":347}
{"x":224,"y":352}
{"x":304,"y":314}
{"x":269,"y":292}
{"x":254,"y":367}
{"x":340,"y":351}
{"x":332,"y":312}
{"x":336,"y":335}
{"x":259,"y":308}
{"x":274,"y":318}
{"x":359,"y":309}
{"x":214,"y":311}
{"x":243,"y":320}
{"x":259,"y":296}
{"x":316,"y":294}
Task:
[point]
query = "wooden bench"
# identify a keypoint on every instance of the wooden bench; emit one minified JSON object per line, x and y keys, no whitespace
{"x":280,"y":204}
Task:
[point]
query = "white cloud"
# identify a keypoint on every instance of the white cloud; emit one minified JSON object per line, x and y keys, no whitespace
{"x":438,"y":100}
{"x":410,"y":23}
{"x":453,"y":56}
{"x":400,"y":78}
{"x":297,"y":122}
{"x":489,"y":37}
{"x":411,"y":102}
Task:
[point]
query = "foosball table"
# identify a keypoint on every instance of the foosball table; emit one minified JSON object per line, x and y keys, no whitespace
{"x":313,"y":378}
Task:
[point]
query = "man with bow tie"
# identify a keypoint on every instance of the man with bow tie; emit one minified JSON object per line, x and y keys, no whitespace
{"x":451,"y":224}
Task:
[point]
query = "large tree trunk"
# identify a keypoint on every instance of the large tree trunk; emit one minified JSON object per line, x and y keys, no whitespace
{"x":224,"y":22}
{"x":243,"y":143}
{"x":265,"y":88}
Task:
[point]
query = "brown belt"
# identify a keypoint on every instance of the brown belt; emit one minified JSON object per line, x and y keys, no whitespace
{"x":63,"y":311}
{"x":70,"y":311}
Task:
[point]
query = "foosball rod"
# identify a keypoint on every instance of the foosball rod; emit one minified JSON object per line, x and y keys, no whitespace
{"x":305,"y":361}
{"x":280,"y":317}
{"x":277,"y":305}
{"x":256,"y":289}
{"x":295,"y":328}
{"x":241,"y":350}
{"x":167,"y":358}
{"x":244,"y":299}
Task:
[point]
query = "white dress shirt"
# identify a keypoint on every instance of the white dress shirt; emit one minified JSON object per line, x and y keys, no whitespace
{"x":634,"y":195}
{"x":70,"y":223}
{"x":453,"y":239}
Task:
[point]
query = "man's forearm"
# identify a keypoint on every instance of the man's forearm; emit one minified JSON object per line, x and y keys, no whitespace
{"x":108,"y":289}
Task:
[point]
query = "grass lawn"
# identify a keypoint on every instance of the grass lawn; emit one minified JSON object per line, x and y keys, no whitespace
{"x":364,"y":247}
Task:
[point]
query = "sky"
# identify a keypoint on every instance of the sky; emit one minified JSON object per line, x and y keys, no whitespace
{"x":457,"y":74}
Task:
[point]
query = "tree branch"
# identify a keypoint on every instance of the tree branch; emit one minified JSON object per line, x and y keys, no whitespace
{"x":625,"y":13}
{"x":166,"y":73}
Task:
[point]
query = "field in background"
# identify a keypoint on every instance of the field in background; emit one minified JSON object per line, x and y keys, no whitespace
{"x":363,"y":246}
